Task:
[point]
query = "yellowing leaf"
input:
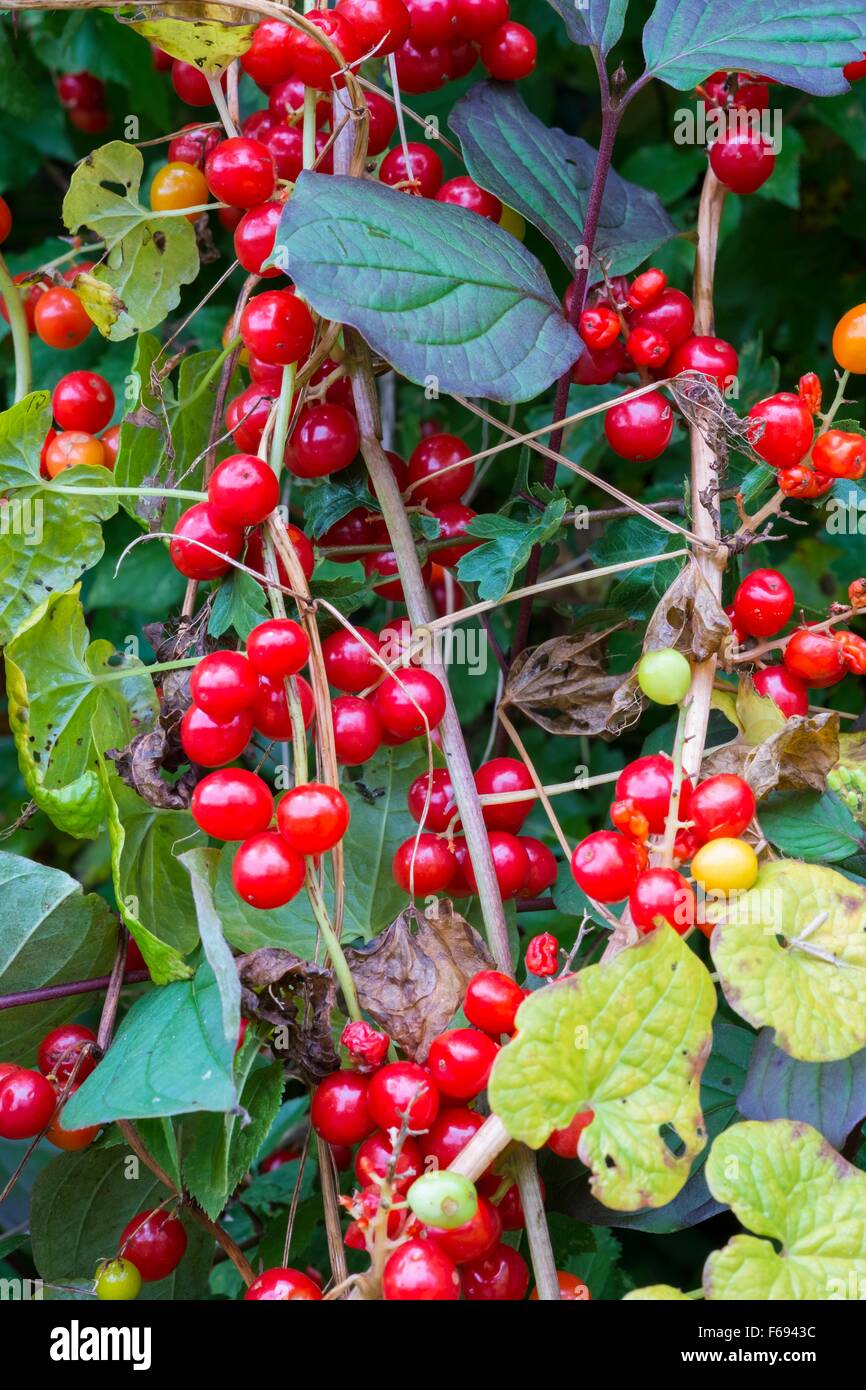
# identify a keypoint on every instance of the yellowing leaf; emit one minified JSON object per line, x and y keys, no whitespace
{"x":201,"y":34}
{"x":149,"y":256}
{"x":791,"y":955}
{"x":628,"y":1040}
{"x":784,"y":1181}
{"x":657,"y":1293}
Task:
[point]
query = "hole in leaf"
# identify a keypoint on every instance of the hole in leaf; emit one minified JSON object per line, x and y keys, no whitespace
{"x":672,"y":1140}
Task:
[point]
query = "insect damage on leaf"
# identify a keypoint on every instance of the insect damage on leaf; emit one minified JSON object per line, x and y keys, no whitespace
{"x":296,"y":997}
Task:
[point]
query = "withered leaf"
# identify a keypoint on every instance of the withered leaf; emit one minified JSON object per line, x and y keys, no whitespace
{"x":412,"y":978}
{"x":563,"y":685}
{"x":297,"y":997}
{"x":796,"y":758}
{"x":141,"y":763}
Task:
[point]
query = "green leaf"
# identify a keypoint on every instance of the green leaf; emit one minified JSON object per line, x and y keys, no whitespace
{"x":791,"y":955}
{"x":784,"y":1181}
{"x":783,"y":185}
{"x":598,"y":24}
{"x":657,"y":1293}
{"x":846,"y":116}
{"x":149,"y":257}
{"x":546,"y":176}
{"x":49,"y":538}
{"x":239,"y":605}
{"x":202,"y":864}
{"x":800,"y":46}
{"x":830,"y":1096}
{"x":151,"y":886}
{"x":220,"y":1149}
{"x":806,"y":825}
{"x":495,"y":565}
{"x":81,"y":1203}
{"x":638,"y":594}
{"x":627,"y":1040}
{"x":170,"y":1057}
{"x":69,"y":700}
{"x":338,"y":495}
{"x":51,"y":933}
{"x":439,"y":293}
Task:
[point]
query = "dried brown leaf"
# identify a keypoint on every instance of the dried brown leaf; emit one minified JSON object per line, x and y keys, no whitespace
{"x":412,"y":978}
{"x":563,"y":685}
{"x":798,"y":757}
{"x":297,"y":997}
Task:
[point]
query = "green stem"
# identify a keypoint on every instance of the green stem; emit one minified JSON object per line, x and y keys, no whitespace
{"x":209,"y":375}
{"x":185,"y":495}
{"x":283,"y":416}
{"x":20,"y":334}
{"x":335,"y":950}
{"x":156,"y":670}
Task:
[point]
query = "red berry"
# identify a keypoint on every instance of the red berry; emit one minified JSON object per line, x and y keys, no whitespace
{"x":647,"y":288}
{"x":763,"y":603}
{"x":257,"y":126}
{"x":736,"y":90}
{"x":542,"y":955}
{"x":367,"y":1047}
{"x":449,"y":1134}
{"x":781,"y":430}
{"x":286,"y":146}
{"x":478,"y":18}
{"x":460,"y":1062}
{"x":433,"y":21}
{"x":441,"y":810}
{"x":423,"y":866}
{"x":80,"y":90}
{"x":502,"y":1275}
{"x":266,"y":872}
{"x":247,"y":415}
{"x":647,"y":782}
{"x":223,"y":684}
{"x":464,"y":192}
{"x":241,"y":172}
{"x":565,"y":1143}
{"x":313,"y":818}
{"x":198,"y":533}
{"x":283,"y":1286}
{"x":640,"y":429}
{"x":856,"y":70}
{"x":647,"y":348}
{"x":92,"y":120}
{"x":436,"y":470}
{"x":27,"y":1102}
{"x":384,"y":562}
{"x":423,"y":171}
{"x":254,"y":239}
{"x":277,"y":327}
{"x":60,"y":1050}
{"x":606,"y":865}
{"x":815,"y":658}
{"x":243,"y":490}
{"x":232,"y":804}
{"x":599,"y":327}
{"x":325,"y":440}
{"x":269,"y":58}
{"x":277,"y":648}
{"x":303,"y":549}
{"x":82,"y":401}
{"x":671,"y":314}
{"x":422,"y":69}
{"x":721,"y":807}
{"x":419,"y":1271}
{"x":357,"y":730}
{"x":359,"y":527}
{"x":211,"y":744}
{"x":339,"y":1113}
{"x":711,"y":356}
{"x":777,"y":683}
{"x":155,"y":1242}
{"x":349,"y":664}
{"x":492,"y":1000}
{"x":598,"y":368}
{"x":375,"y":1158}
{"x":60,"y":318}
{"x":802,"y":481}
{"x":543,"y":868}
{"x":190,"y":84}
{"x":473,"y":1239}
{"x":510,"y":52}
{"x":403,"y":1090}
{"x":382,"y":25}
{"x":311,"y":62}
{"x":662,"y":893}
{"x":742,"y":160}
{"x":507,"y":1202}
{"x":838,"y":454}
{"x":270,"y":709}
{"x":411,"y":704}
{"x":510,"y":861}
{"x":382,"y":121}
{"x":499,"y":777}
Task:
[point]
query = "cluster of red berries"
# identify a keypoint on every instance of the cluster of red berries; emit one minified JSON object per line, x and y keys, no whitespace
{"x":781,"y":430}
{"x":741,"y":157}
{"x":30,"y":1101}
{"x":52,"y":310}
{"x":82,"y":97}
{"x":612,"y":865}
{"x":436,"y":860}
{"x":82,"y":404}
{"x":151,"y":1246}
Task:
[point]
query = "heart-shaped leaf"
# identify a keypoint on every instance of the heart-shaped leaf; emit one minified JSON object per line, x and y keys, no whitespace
{"x":784,"y":1181}
{"x":598,"y":24}
{"x":69,"y":700}
{"x":628,"y":1040}
{"x":48,"y":537}
{"x":148,"y":257}
{"x":791,"y":955}
{"x":546,"y":176}
{"x":804,"y":46}
{"x":446,"y":297}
